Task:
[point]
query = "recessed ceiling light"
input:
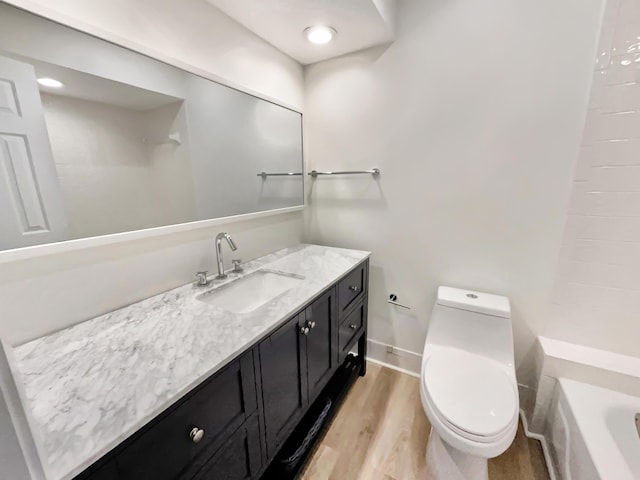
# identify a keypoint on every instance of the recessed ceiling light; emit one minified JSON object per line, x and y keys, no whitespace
{"x":319,"y":34}
{"x":50,"y":82}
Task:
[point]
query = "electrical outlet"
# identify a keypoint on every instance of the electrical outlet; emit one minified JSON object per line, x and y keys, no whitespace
{"x":391,"y":350}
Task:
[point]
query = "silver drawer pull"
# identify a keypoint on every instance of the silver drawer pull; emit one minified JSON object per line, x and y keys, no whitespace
{"x":353,"y":326}
{"x":353,"y":288}
{"x":196,"y":434}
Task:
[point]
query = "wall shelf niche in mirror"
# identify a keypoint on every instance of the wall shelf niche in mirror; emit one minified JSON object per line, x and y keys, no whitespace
{"x":127,"y":142}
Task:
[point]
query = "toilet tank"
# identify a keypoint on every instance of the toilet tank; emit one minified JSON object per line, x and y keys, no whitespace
{"x":473,"y":321}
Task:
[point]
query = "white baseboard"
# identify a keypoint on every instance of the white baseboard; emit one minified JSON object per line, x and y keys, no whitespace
{"x":398,"y":359}
{"x":543,"y":443}
{"x":392,"y":367}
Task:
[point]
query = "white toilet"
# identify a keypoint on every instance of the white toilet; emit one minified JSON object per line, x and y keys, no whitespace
{"x":468,"y":384}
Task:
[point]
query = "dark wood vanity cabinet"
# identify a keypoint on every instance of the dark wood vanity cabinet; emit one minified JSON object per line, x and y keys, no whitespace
{"x":232,"y":426}
{"x":296,"y":361}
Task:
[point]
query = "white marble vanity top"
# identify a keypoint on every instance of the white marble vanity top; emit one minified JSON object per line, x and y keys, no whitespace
{"x":89,"y":387}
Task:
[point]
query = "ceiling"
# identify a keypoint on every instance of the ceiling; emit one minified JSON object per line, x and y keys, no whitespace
{"x":360,"y":24}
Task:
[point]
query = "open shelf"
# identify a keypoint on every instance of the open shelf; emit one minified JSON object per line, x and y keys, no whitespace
{"x":335,"y":393}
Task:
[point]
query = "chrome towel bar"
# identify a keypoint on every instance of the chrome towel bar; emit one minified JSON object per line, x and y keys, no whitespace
{"x":288,"y":174}
{"x":398,"y":304}
{"x":374,"y":172}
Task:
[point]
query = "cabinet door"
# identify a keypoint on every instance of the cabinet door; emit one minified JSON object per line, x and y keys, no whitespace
{"x":284,"y":381}
{"x":322,"y":340}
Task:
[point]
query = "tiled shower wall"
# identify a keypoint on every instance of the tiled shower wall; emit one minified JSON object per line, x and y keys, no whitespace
{"x":596,"y":299}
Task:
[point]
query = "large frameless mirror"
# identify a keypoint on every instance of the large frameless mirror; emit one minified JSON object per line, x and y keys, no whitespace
{"x":97,"y":139}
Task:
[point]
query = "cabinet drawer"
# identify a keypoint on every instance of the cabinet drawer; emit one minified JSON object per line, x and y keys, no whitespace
{"x":239,"y":459}
{"x":352,"y":287}
{"x":216,"y":408}
{"x":350,"y":327}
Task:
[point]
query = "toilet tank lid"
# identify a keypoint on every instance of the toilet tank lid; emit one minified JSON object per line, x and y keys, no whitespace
{"x":472,"y":301}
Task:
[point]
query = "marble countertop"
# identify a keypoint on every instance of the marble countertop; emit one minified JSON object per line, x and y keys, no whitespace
{"x":89,"y":387}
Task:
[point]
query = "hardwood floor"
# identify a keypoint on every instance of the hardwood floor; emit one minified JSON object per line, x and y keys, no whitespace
{"x":381,"y":433}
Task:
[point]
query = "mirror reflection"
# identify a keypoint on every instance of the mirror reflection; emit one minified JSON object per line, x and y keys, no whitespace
{"x":96,"y":139}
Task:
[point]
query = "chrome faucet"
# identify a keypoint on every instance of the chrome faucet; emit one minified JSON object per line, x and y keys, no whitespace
{"x":233,"y":247}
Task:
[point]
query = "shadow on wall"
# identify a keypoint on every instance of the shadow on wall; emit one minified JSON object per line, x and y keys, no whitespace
{"x":361,"y":191}
{"x":393,"y":324}
{"x":529,"y":367}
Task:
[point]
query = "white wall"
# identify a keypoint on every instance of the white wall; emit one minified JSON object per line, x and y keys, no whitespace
{"x":596,"y":299}
{"x":105,"y":167}
{"x":171,"y":168}
{"x":13,"y":463}
{"x":474,"y":116}
{"x":73,"y":286}
{"x":116,"y":168}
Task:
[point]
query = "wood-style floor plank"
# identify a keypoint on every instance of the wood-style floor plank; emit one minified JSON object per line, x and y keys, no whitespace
{"x":381,"y":433}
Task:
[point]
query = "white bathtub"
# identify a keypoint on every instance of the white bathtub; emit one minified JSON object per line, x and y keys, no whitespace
{"x":591,"y":433}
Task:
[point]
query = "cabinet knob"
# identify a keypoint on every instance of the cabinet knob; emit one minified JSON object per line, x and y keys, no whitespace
{"x":353,"y":288}
{"x":353,"y":326}
{"x":312,"y":324}
{"x":304,"y":330}
{"x":196,"y":434}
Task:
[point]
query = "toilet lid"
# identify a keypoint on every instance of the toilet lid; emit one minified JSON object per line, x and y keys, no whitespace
{"x":471,"y":392}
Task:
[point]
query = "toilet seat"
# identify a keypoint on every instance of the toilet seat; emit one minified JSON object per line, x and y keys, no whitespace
{"x":471,"y":394}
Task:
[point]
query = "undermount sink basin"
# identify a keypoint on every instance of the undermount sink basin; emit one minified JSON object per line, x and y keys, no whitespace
{"x":248,"y":293}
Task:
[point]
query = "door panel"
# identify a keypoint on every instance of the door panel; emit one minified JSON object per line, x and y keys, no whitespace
{"x":8,"y":100}
{"x":31,"y":205}
{"x":22,"y":182}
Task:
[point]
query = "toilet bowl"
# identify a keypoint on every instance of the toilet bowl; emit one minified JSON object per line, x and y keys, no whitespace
{"x":468,"y":385}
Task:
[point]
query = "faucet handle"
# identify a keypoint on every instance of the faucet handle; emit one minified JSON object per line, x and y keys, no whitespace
{"x":202,"y":278}
{"x":236,"y":265}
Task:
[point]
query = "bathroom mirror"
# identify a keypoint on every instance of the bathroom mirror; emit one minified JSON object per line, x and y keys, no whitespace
{"x":97,"y":139}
